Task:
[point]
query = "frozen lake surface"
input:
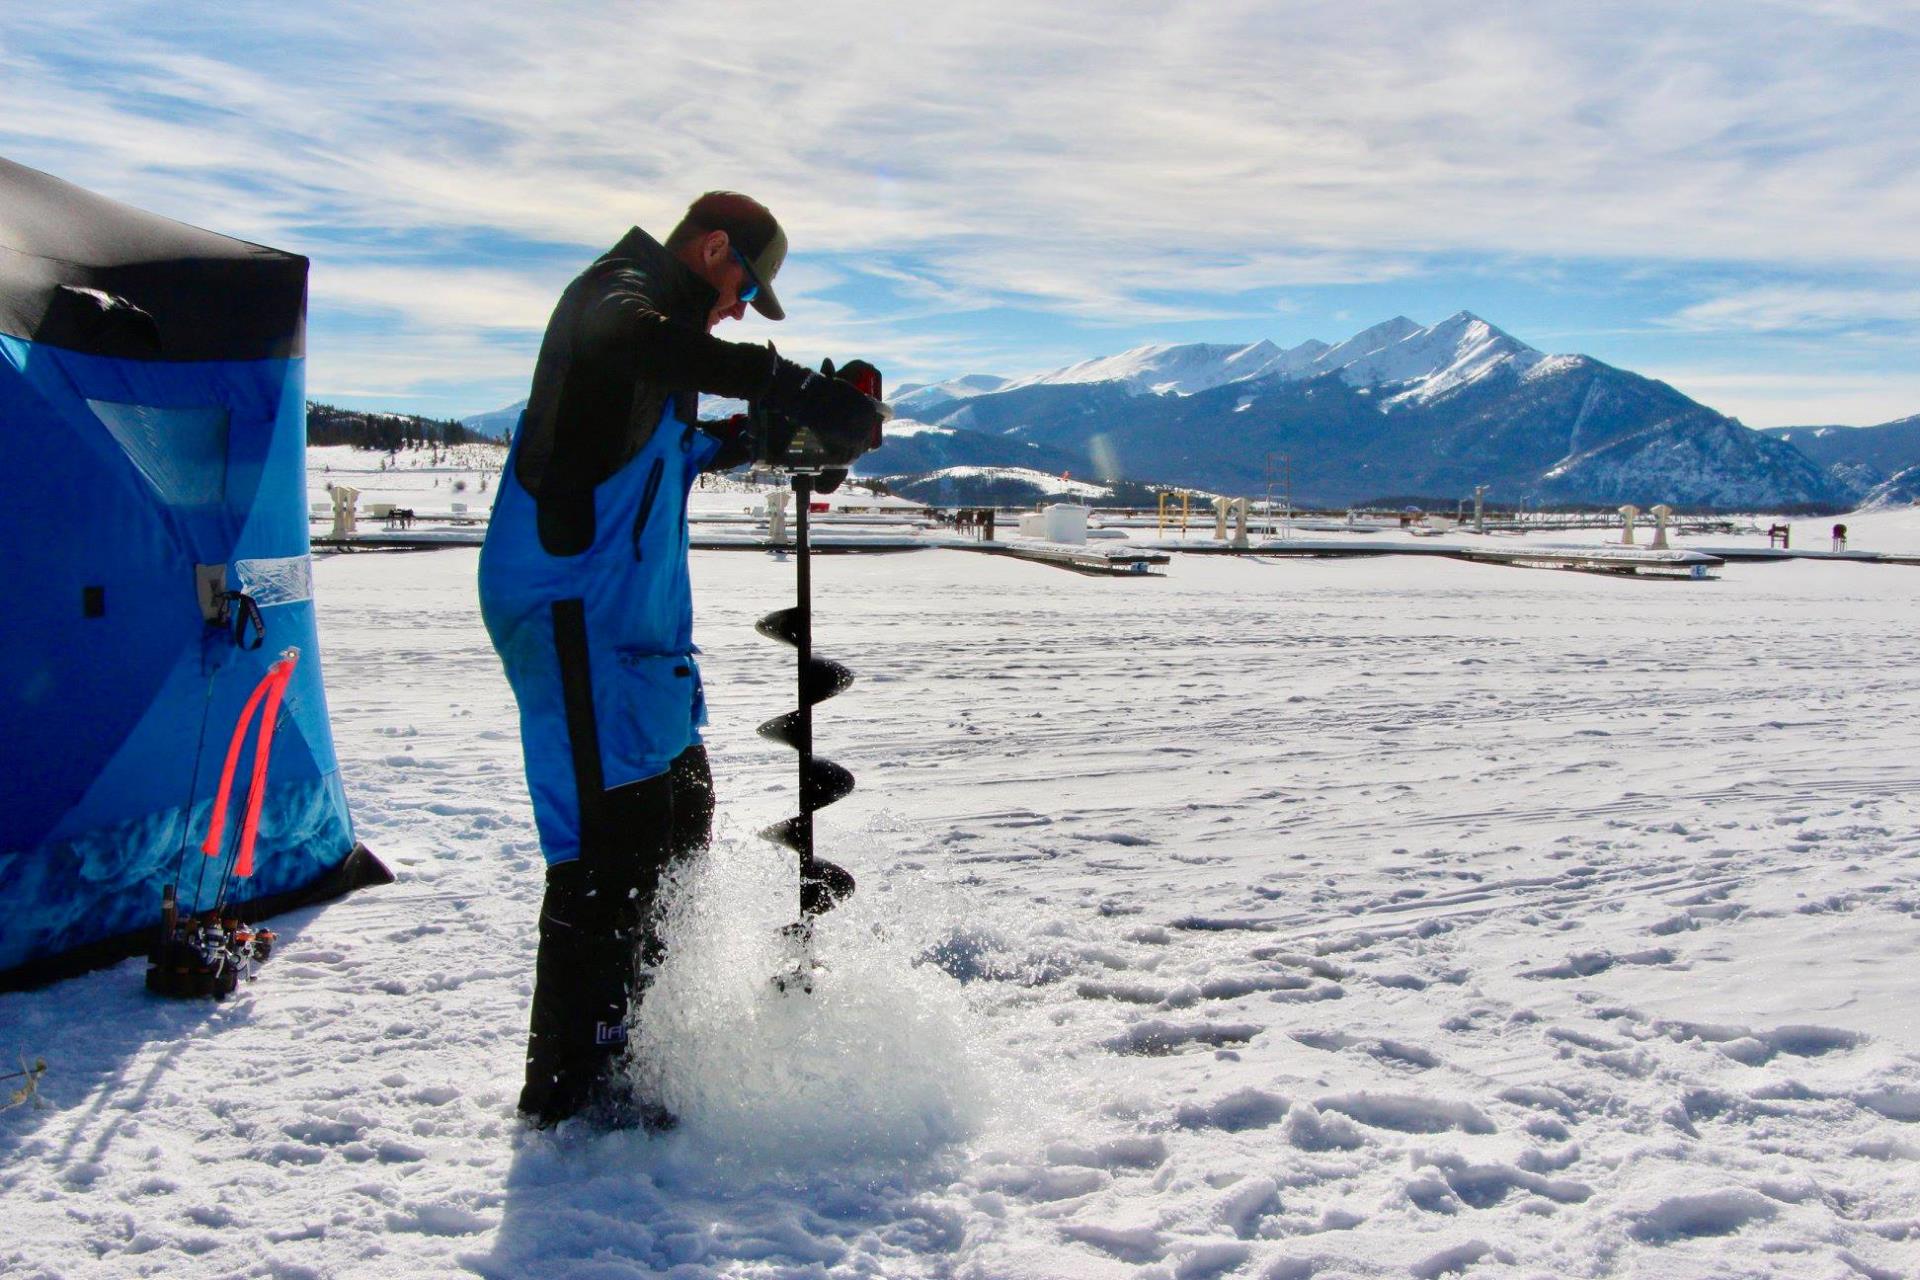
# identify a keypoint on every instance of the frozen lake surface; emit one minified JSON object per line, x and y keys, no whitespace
{"x":1271,"y":919}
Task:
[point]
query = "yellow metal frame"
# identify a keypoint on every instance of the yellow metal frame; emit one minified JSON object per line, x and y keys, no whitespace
{"x":1186,"y":504}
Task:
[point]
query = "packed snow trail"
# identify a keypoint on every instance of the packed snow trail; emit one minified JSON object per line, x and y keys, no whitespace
{"x":1360,"y":918}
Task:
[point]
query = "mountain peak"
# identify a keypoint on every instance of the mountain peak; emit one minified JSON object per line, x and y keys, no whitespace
{"x":1366,"y":342}
{"x":922,"y":397}
{"x":1426,"y":362}
{"x":1163,"y":368}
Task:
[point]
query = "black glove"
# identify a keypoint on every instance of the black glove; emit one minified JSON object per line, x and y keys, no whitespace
{"x":844,"y":422}
{"x":736,"y":439}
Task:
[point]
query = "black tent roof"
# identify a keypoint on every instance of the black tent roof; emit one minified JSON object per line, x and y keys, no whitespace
{"x":80,"y":271}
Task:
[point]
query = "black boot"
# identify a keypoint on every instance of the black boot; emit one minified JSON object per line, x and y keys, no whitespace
{"x":597,"y":942}
{"x":577,"y":1039}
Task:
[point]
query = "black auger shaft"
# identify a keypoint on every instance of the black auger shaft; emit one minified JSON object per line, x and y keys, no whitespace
{"x":822,"y":884}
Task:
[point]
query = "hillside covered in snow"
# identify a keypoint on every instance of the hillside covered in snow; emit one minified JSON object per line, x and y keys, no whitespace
{"x":1397,"y":409}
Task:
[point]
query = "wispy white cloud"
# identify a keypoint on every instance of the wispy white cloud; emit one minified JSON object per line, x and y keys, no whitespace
{"x":441,"y":297}
{"x":1800,"y":308}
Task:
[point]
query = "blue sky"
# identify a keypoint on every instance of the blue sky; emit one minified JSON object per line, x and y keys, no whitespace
{"x":1723,"y":195}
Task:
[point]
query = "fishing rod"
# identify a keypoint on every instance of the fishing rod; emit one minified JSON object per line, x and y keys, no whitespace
{"x":208,"y":952}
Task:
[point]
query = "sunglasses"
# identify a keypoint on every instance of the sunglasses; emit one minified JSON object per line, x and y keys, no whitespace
{"x":752,"y":288}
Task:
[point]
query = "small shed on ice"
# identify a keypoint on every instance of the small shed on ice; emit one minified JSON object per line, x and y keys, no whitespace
{"x":152,"y":437}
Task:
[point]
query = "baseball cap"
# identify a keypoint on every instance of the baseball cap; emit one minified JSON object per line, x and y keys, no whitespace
{"x":753,"y":231}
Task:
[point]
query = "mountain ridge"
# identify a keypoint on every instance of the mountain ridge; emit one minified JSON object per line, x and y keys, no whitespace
{"x":1396,"y":408}
{"x":1860,"y":459}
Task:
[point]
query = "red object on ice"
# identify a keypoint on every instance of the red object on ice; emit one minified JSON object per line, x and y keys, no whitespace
{"x":271,"y":689}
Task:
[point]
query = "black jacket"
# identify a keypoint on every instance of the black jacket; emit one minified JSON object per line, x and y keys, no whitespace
{"x":627,"y":334}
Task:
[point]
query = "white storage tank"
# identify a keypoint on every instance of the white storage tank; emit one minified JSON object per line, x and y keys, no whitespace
{"x":1066,"y":522}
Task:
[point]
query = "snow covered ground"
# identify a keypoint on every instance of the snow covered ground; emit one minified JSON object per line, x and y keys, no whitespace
{"x":429,"y":481}
{"x":1274,"y":918}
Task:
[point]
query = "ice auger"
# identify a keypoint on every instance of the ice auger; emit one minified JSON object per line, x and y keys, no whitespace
{"x":822,"y":884}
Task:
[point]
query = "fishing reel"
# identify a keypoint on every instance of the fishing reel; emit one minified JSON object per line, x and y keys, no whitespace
{"x":204,"y":954}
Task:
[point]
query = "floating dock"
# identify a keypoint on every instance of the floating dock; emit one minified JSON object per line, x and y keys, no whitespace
{"x":1635,"y":561}
{"x":1780,"y":553}
{"x":1100,"y":562}
{"x":1116,"y":556}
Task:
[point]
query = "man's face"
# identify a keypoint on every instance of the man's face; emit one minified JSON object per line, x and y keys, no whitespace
{"x":722,"y":270}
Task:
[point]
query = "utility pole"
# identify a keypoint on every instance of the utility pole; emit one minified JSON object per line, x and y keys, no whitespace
{"x":1282,"y":465}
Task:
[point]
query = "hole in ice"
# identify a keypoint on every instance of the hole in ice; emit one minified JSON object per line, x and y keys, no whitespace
{"x":881,"y":1061}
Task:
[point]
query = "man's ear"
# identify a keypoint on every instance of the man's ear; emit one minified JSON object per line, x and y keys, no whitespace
{"x":714,"y":248}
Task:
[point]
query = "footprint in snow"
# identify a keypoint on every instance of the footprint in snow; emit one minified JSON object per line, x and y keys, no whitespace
{"x":1712,"y":1213}
{"x":1407,"y":1113}
{"x":1755,"y":1048}
{"x":1447,"y":1181}
{"x":1586,"y":964}
{"x":1235,"y":1112}
{"x":1156,"y":1037}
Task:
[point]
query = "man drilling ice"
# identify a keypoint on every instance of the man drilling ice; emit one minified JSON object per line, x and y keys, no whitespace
{"x":585,"y":593}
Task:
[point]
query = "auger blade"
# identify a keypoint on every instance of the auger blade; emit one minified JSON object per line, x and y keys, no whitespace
{"x":783,"y":729}
{"x":825,"y":783}
{"x":785,"y":832}
{"x":825,"y":889}
{"x":824,"y":678}
{"x":782,"y":625}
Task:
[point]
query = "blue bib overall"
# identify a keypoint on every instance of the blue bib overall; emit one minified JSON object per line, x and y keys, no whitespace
{"x":599,"y":646}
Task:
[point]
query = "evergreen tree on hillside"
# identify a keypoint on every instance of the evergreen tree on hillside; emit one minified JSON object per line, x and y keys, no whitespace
{"x":386,"y":432}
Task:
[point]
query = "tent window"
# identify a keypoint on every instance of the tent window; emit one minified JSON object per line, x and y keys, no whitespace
{"x":181,"y":452}
{"x":281,"y":580}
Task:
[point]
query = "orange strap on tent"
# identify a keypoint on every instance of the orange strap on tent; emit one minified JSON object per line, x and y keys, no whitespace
{"x":263,"y":748}
{"x":271,"y":689}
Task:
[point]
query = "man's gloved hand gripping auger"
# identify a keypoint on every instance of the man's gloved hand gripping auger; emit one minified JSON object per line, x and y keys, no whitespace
{"x":807,"y":421}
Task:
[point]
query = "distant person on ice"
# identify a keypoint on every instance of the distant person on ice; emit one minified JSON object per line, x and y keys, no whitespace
{"x":585,"y":593}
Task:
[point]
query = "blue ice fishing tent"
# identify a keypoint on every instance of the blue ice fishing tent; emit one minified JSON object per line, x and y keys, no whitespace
{"x":153,"y":452}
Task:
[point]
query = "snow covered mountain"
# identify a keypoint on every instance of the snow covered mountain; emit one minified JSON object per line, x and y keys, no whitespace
{"x":1182,"y":369}
{"x":498,"y":423}
{"x":1714,"y":462}
{"x":1417,"y":362}
{"x":1858,"y":459}
{"x":917,"y":397}
{"x":916,"y":448}
{"x":1424,"y":364}
{"x":1901,"y":489}
{"x":1397,"y":410}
